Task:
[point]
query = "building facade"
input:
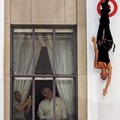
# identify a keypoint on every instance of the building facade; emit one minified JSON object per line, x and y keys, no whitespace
{"x":49,"y":24}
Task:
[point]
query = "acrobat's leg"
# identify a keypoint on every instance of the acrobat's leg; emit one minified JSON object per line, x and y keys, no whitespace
{"x":106,"y":1}
{"x":107,"y":34}
{"x":104,"y":23}
{"x":106,"y":20}
{"x":100,"y":33}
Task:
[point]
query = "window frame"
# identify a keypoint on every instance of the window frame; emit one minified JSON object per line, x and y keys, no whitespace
{"x":34,"y":76}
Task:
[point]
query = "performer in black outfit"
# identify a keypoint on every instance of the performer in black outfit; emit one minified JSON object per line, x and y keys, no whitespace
{"x":102,"y":60}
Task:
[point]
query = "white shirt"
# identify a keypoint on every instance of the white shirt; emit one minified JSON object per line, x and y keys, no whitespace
{"x":45,"y":109}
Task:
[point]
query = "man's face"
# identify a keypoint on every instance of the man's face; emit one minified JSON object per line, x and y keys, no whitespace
{"x":18,"y":96}
{"x":48,"y":93}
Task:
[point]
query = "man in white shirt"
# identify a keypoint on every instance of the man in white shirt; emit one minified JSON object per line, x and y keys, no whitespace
{"x":46,"y":107}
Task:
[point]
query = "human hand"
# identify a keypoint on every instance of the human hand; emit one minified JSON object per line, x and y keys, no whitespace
{"x":29,"y":100}
{"x":29,"y":104}
{"x":105,"y":92}
{"x":93,"y":39}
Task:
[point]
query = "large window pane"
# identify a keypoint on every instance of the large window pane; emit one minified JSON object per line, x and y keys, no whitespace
{"x":44,"y":99}
{"x":66,"y":91}
{"x":49,"y":104}
{"x":43,"y":53}
{"x":23,"y":52}
{"x":22,"y":101}
{"x":64,"y":53}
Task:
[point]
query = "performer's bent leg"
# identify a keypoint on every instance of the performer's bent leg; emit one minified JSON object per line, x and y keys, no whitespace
{"x":108,"y":35}
{"x":100,"y":32}
{"x":104,"y":30}
{"x":100,"y":35}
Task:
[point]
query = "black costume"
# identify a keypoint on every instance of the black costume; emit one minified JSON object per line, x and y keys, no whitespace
{"x":104,"y":33}
{"x":104,"y":29}
{"x":103,"y":55}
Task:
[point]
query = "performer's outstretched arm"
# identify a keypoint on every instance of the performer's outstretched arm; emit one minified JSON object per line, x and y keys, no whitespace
{"x":95,"y":51}
{"x":108,"y":80}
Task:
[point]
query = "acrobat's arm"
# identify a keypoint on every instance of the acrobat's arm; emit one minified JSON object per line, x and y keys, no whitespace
{"x":108,"y":80}
{"x":96,"y":52}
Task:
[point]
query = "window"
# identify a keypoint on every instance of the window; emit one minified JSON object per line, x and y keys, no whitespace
{"x":43,"y":73}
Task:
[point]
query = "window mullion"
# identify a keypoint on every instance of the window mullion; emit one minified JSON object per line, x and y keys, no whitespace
{"x":33,"y":81}
{"x":33,"y":99}
{"x":33,"y":51}
{"x":54,"y":90}
{"x":54,"y":52}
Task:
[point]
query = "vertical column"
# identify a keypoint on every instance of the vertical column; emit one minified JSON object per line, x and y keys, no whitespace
{"x":1,"y":59}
